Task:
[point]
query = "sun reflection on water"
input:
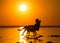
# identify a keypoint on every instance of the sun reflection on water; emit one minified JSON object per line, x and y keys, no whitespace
{"x":22,"y":37}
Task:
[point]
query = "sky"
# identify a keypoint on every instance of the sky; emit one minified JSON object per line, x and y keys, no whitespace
{"x":48,"y":11}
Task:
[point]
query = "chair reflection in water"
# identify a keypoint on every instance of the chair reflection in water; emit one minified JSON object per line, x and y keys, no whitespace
{"x":32,"y":28}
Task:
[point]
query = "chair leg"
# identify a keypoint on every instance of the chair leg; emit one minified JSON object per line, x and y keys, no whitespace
{"x":34,"y":34}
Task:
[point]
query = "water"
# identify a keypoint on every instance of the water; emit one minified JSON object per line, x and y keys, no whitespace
{"x":12,"y":35}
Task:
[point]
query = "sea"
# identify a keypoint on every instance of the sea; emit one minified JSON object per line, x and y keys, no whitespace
{"x":13,"y":35}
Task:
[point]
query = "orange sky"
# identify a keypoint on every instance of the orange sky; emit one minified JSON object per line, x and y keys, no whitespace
{"x":46,"y":10}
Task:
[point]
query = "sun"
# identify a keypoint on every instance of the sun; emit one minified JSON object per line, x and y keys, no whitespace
{"x":23,"y":7}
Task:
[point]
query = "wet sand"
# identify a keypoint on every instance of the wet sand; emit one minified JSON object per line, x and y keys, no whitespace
{"x":12,"y":35}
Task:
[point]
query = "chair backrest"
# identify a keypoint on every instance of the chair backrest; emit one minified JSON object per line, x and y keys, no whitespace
{"x":37,"y":25}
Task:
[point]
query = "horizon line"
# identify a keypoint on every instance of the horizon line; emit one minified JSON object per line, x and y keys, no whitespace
{"x":23,"y":26}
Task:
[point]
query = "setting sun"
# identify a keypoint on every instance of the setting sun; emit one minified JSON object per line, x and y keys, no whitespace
{"x":23,"y":7}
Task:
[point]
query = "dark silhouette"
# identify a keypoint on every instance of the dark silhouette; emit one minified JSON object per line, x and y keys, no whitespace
{"x":55,"y":36}
{"x":30,"y":41}
{"x":32,"y":28}
{"x":36,"y":26}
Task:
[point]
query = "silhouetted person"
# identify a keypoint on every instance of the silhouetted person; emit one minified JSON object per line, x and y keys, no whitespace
{"x":32,"y":28}
{"x":36,"y":26}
